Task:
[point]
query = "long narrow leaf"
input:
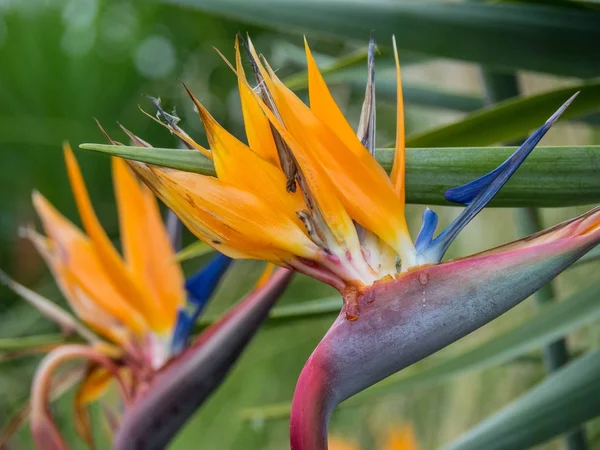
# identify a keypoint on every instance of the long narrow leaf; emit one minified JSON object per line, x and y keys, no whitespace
{"x":510,"y":119}
{"x":431,"y":171}
{"x":523,"y":36}
{"x":558,"y":404}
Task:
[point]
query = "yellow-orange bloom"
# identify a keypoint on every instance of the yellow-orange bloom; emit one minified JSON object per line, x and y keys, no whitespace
{"x":131,"y":301}
{"x":304,"y":192}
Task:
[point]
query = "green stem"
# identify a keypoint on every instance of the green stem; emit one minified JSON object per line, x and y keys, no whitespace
{"x":499,"y":87}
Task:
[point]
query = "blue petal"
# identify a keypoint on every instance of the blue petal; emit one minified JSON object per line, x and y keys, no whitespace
{"x":200,"y":288}
{"x":430,"y":221}
{"x":467,"y":192}
{"x":478,"y":193}
{"x":182,"y":330}
{"x":203,"y":283}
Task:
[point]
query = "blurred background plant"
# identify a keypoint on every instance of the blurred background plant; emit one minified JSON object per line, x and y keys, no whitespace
{"x":63,"y":62}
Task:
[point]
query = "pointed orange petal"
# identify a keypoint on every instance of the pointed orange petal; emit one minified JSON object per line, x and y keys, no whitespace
{"x":398,"y":168}
{"x":153,"y":265}
{"x":109,"y":258}
{"x":360,"y":183}
{"x":76,"y":267}
{"x":239,"y":166}
{"x":323,"y":105}
{"x":258,"y":129}
{"x":167,"y":273}
{"x":333,"y":212}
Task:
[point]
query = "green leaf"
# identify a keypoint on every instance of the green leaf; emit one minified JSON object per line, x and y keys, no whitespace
{"x":27,"y":342}
{"x":551,"y":323}
{"x":281,"y":315}
{"x":350,"y":65}
{"x":510,"y":119}
{"x":194,"y":250}
{"x":416,"y":94}
{"x":431,"y":171}
{"x":350,"y":70}
{"x":511,"y":36}
{"x":570,"y":397}
{"x":187,"y":160}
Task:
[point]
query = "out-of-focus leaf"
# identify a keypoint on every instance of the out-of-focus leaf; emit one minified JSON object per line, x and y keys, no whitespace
{"x":510,"y":119}
{"x":194,"y":250}
{"x":569,"y":397}
{"x":431,"y":171}
{"x":280,"y":315}
{"x":523,"y":36}
{"x":553,"y":322}
{"x":414,"y":94}
{"x":27,"y":342}
{"x":350,"y":65}
{"x":327,"y":306}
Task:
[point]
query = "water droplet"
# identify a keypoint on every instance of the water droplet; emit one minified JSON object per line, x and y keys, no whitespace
{"x":350,"y":296}
{"x":423,"y":278}
{"x":352,"y":312}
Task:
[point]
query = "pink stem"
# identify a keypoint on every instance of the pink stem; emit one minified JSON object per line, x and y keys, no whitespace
{"x":312,"y":406}
{"x":44,"y":430}
{"x":318,"y":273}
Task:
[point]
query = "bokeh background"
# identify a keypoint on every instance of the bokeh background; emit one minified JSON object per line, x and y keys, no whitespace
{"x":65,"y":62}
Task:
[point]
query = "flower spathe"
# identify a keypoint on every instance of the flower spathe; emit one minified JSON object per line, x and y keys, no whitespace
{"x":306,"y":193}
{"x":136,"y":312}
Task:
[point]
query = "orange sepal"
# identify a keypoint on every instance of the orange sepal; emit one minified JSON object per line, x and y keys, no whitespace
{"x":79,"y":273}
{"x":238,"y":165}
{"x":153,"y":264}
{"x":258,"y":129}
{"x":360,"y":183}
{"x":236,"y":222}
{"x":114,"y":266}
{"x":399,"y":166}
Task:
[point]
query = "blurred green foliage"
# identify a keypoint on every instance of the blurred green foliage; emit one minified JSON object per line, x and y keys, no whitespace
{"x":64,"y":62}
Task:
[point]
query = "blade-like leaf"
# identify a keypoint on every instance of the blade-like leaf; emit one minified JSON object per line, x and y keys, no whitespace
{"x":523,"y":36}
{"x":553,"y":322}
{"x":510,"y":119}
{"x":431,"y":171}
{"x":194,"y":250}
{"x":171,"y":157}
{"x":414,"y":94}
{"x":280,"y":315}
{"x":568,"y":398}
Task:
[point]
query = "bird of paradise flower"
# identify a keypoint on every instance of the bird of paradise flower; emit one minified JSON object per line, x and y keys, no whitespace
{"x":136,"y":313}
{"x":306,"y":193}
